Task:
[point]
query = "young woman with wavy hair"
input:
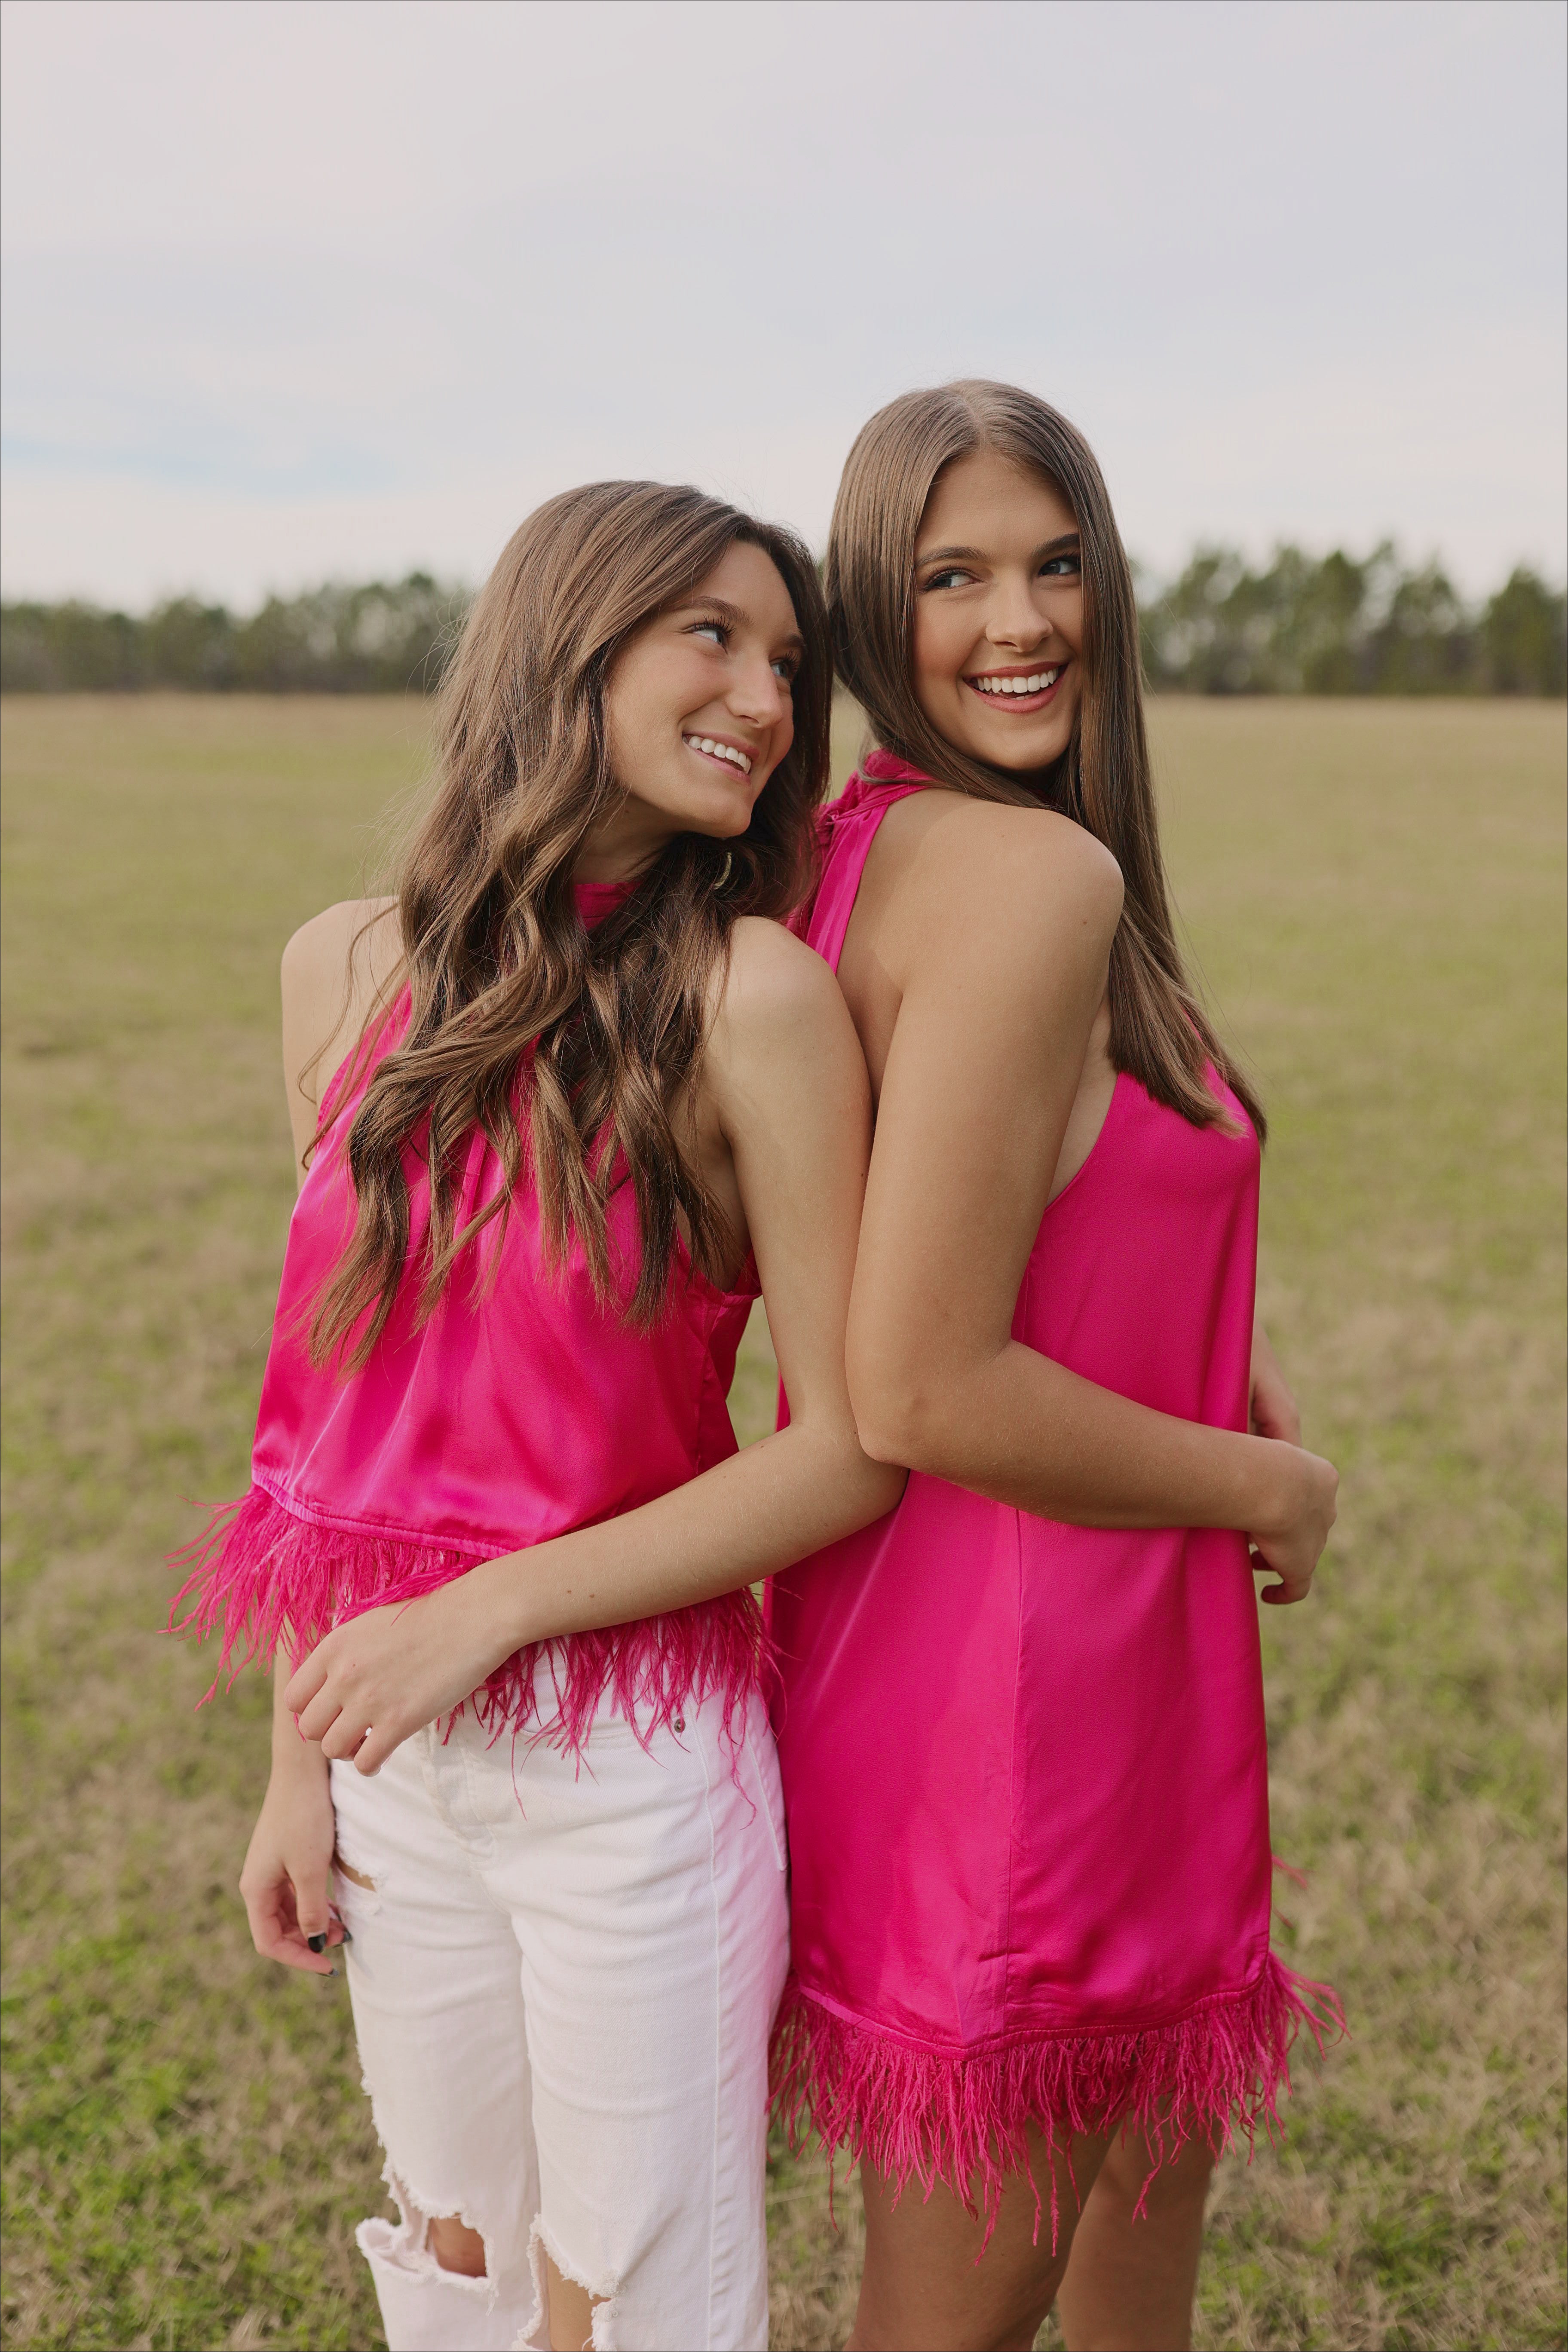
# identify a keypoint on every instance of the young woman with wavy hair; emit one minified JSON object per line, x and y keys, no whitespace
{"x":1021,"y":1725}
{"x":583,"y":1091}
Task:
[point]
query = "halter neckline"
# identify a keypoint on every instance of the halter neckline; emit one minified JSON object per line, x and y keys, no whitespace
{"x":597,"y":900}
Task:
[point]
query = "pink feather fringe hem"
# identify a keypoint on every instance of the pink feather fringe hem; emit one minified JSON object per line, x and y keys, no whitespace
{"x":268,"y":1577}
{"x":918,"y":2112}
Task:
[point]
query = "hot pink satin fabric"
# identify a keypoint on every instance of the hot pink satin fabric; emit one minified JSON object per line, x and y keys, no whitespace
{"x":509,"y":1417}
{"x":1025,"y":1763}
{"x":520,"y":1409}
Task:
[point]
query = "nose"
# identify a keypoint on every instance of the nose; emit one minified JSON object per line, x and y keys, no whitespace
{"x":757,"y":693}
{"x":1015,"y":619}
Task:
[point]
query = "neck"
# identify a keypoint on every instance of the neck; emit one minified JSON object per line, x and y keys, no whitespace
{"x":624,"y":847}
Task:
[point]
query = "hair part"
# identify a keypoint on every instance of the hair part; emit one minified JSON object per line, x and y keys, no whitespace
{"x":1160,"y":1033}
{"x":567,"y":1047}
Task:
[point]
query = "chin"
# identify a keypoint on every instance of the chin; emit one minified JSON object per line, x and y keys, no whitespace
{"x":729,"y":826}
{"x":1022,"y":758}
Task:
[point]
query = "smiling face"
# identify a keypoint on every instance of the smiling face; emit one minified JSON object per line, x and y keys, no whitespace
{"x":698,"y":714}
{"x":998,"y":629}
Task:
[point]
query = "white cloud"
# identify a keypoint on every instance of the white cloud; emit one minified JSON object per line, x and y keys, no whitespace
{"x":334,"y":288}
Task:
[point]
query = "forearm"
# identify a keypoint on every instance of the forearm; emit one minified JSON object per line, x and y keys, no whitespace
{"x":765,"y":1507}
{"x":1026,"y":1431}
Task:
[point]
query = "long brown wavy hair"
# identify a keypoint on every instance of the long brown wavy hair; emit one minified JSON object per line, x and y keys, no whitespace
{"x":568,"y":1049}
{"x":1160,"y":1033}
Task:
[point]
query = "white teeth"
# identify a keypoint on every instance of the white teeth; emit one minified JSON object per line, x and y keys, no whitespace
{"x":721,"y":751}
{"x":1036,"y":685}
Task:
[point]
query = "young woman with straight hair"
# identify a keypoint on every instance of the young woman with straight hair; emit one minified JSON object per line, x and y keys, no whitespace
{"x":1021,"y":1724}
{"x":587,"y":1090}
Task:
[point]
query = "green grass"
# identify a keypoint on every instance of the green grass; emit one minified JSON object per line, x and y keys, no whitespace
{"x":1374,"y":892}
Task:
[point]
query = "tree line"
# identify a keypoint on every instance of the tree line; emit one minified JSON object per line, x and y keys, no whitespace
{"x":1301,"y":625}
{"x":384,"y":637}
{"x":1336,"y":625}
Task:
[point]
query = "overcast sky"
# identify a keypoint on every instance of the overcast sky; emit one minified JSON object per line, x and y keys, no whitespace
{"x":307,"y":287}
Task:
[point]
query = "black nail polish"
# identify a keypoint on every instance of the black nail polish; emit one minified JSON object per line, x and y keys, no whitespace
{"x":317,"y":1943}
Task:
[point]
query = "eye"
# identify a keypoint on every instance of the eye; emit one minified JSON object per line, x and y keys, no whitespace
{"x":948,"y":576}
{"x":1062,"y":567}
{"x":717,"y":631}
{"x":787,"y":667}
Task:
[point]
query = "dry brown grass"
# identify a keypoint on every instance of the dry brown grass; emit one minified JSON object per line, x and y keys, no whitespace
{"x":1375,"y":892}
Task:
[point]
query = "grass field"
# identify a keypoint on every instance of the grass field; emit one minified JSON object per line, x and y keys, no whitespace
{"x":1374,"y":892}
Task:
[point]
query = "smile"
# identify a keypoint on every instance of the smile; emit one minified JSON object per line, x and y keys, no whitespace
{"x":1018,"y":691}
{"x":713,"y":747}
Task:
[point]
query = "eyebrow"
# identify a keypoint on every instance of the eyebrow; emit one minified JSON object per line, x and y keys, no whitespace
{"x":731,"y":615}
{"x":977,"y":554}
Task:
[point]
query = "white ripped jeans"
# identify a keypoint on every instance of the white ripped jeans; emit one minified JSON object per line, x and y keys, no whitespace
{"x":563,"y":1974}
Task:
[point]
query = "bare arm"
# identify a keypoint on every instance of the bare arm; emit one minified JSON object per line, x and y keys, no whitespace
{"x":287,"y":1877}
{"x":328,"y":988}
{"x":998,"y":940}
{"x":1271,"y":1411}
{"x":334,"y":969}
{"x":787,"y":1084}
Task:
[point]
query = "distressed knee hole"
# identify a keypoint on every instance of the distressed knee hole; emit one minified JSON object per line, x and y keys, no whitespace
{"x":579,"y":2312}
{"x":457,"y":2247}
{"x":426,"y":2244}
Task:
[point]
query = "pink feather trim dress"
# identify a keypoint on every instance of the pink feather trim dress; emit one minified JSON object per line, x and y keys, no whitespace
{"x":522,"y":1407}
{"x":1024,"y":1764}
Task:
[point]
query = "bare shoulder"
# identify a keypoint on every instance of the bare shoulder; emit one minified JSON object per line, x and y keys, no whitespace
{"x":334,"y":968}
{"x":780,"y":1015}
{"x":783,"y":1058}
{"x":948,"y":835}
{"x":988,"y":871}
{"x":320,"y":952}
{"x":776,"y":978}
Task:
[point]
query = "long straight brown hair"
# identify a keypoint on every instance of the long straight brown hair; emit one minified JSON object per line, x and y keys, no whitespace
{"x":567,"y":1047}
{"x":1160,"y":1033}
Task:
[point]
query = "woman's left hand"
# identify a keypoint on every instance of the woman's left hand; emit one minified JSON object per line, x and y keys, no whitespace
{"x":371,"y":1683}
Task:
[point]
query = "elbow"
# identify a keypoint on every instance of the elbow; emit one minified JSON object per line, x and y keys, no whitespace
{"x":898,"y":1416}
{"x":851,"y":1485}
{"x":884,"y":1435}
{"x":884,"y":1484}
{"x":912,"y":1390}
{"x":900,"y":1438}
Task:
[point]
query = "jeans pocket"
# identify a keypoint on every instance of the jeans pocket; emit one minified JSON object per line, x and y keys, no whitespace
{"x":768,"y":1791}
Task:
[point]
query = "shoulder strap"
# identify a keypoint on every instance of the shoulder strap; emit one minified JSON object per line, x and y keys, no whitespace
{"x":850,"y":827}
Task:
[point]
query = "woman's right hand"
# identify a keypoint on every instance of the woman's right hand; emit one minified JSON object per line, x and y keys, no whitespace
{"x":1289,"y":1537}
{"x":288,"y":1870}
